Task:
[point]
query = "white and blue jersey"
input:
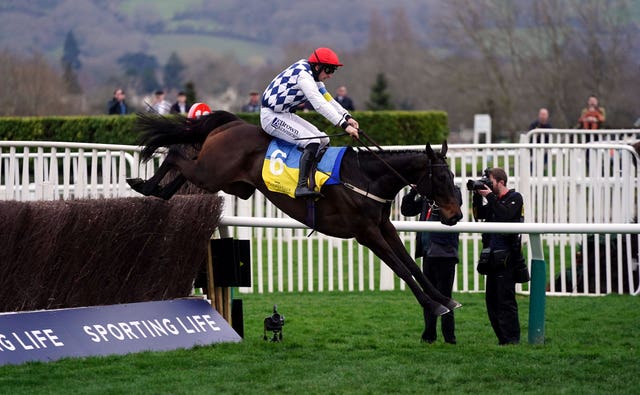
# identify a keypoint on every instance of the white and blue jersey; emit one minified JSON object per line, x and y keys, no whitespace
{"x":296,"y":85}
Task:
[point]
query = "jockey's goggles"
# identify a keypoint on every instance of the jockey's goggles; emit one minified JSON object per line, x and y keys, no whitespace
{"x":329,"y":68}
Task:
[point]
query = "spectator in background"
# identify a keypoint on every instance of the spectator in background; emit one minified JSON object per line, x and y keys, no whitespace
{"x":180,"y":106}
{"x":254,"y":103}
{"x":543,"y":120}
{"x":344,"y":100}
{"x":592,"y":117}
{"x":159,"y":106}
{"x":439,"y":252}
{"x":117,"y":105}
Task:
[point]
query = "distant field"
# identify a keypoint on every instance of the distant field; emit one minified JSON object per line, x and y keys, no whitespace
{"x":164,"y":8}
{"x":162,"y":45}
{"x":244,"y":51}
{"x":368,"y":343}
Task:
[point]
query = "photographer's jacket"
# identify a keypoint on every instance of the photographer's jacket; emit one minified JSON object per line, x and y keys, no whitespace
{"x":436,"y":244}
{"x":507,"y":208}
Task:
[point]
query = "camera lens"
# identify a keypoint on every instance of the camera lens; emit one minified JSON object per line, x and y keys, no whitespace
{"x":470,"y":185}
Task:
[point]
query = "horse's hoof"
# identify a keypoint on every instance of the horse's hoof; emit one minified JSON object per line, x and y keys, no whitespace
{"x":135,"y":182}
{"x":142,"y":187}
{"x":440,"y":310}
{"x":453,"y":304}
{"x":138,"y":185}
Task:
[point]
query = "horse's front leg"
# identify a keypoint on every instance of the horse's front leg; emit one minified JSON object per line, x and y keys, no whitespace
{"x":378,"y":245}
{"x":390,"y":234}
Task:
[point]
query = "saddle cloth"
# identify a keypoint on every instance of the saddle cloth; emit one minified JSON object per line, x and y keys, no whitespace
{"x":280,"y":168}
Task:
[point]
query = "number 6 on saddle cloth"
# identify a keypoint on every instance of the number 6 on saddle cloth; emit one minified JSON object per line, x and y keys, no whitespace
{"x":280,"y":168}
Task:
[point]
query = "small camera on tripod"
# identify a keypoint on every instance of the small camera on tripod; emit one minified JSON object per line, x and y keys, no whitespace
{"x":274,"y":323}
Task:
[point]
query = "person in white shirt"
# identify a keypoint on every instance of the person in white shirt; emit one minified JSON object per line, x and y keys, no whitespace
{"x":159,"y":106}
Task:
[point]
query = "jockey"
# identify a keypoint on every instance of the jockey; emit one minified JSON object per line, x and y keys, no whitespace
{"x":301,"y":82}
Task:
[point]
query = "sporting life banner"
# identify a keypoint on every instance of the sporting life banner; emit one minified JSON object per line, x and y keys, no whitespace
{"x":118,"y":329}
{"x":281,"y":167}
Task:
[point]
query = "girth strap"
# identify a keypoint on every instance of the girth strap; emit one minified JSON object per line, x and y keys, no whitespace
{"x":366,"y":193}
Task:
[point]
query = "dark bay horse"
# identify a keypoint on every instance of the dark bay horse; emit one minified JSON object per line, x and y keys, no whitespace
{"x":231,"y":159}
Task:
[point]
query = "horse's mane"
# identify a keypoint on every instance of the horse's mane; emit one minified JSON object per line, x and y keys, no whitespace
{"x":371,"y":159}
{"x":371,"y":155}
{"x":160,"y":131}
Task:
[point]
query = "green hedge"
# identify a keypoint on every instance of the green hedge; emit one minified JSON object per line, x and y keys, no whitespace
{"x":384,"y":127}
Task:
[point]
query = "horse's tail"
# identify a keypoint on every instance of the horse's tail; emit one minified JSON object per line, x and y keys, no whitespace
{"x":159,"y":131}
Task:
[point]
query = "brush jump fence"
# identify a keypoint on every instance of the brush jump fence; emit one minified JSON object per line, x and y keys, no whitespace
{"x":569,"y":181}
{"x":87,"y":252}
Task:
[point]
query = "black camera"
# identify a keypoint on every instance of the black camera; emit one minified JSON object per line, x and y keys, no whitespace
{"x":474,"y":185}
{"x":274,"y":323}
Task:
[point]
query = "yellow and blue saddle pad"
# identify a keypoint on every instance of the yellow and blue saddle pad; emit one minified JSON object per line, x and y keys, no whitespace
{"x":280,"y":168}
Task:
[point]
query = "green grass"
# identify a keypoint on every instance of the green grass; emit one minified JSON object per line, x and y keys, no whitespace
{"x":336,"y":343}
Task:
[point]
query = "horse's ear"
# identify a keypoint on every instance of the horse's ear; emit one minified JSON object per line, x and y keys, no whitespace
{"x":429,"y":150}
{"x":445,"y":147}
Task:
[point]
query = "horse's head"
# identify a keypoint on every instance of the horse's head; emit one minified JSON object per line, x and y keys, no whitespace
{"x":437,"y":184}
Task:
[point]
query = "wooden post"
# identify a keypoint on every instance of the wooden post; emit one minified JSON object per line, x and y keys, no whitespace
{"x":220,"y":296}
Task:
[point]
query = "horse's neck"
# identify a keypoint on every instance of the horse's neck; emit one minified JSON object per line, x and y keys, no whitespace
{"x":389,"y":171}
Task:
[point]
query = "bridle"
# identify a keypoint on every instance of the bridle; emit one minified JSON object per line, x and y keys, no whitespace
{"x":428,"y":173}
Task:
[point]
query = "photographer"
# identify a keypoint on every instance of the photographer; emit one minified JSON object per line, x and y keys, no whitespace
{"x":439,"y":252}
{"x":501,"y":259}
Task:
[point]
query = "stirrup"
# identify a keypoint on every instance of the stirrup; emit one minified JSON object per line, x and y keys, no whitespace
{"x":305,"y":192}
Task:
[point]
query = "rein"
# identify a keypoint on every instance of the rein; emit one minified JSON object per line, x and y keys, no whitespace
{"x":400,"y":176}
{"x":394,"y":171}
{"x":375,"y":155}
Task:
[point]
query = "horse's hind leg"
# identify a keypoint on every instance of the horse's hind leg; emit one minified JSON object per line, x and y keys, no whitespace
{"x":193,"y":171}
{"x":151,"y":187}
{"x":171,"y":188}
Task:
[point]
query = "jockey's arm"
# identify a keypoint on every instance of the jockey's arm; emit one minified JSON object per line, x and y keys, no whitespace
{"x":322,"y":103}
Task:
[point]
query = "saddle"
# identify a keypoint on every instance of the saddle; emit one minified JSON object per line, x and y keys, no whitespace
{"x":280,"y":167}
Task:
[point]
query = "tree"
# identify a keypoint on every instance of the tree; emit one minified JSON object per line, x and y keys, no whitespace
{"x":141,"y":69}
{"x":71,"y":63}
{"x":70,"y":79}
{"x":71,"y":52}
{"x":519,"y":56}
{"x":379,"y":98}
{"x":32,"y":87}
{"x":173,"y":72}
{"x":190,"y":90}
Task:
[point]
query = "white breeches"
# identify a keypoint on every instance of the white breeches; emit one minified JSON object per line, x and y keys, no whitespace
{"x":289,"y":127}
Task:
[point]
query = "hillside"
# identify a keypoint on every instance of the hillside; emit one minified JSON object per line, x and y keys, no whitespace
{"x":255,"y":31}
{"x":503,"y":58}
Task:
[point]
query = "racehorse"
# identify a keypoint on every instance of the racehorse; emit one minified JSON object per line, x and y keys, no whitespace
{"x":231,"y":159}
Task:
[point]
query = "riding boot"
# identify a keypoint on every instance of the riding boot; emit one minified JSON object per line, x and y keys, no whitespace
{"x":306,"y":163}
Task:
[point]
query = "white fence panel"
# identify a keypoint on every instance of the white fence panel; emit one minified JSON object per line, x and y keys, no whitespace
{"x":561,"y":182}
{"x":38,"y":170}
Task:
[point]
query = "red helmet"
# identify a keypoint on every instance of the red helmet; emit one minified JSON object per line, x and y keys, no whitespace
{"x":324,"y":56}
